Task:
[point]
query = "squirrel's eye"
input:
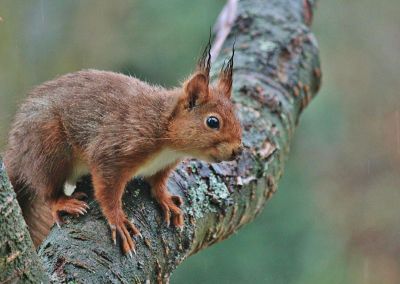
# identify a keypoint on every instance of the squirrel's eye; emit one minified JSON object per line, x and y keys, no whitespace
{"x":212,"y":122}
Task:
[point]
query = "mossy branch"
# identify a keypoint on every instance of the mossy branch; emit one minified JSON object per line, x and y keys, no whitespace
{"x":276,"y":74}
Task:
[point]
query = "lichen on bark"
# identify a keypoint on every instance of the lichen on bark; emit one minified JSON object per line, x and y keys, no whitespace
{"x":276,"y":74}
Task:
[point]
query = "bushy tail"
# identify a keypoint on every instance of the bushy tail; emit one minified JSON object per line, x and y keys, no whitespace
{"x":36,"y":213}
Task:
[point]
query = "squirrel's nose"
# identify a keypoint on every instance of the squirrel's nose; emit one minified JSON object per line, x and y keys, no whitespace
{"x":237,"y":152}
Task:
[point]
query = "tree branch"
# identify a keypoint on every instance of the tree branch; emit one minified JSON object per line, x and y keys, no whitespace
{"x":276,"y":74}
{"x":223,"y":26}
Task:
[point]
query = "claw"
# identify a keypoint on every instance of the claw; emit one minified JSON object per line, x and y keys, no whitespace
{"x":67,"y":204}
{"x":113,"y":234}
{"x":132,"y":227}
{"x":125,"y":229}
{"x":170,"y":207}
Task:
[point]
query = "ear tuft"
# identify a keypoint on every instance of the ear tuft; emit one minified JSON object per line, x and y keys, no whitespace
{"x":196,"y":90}
{"x":225,"y":75}
{"x":204,"y":63}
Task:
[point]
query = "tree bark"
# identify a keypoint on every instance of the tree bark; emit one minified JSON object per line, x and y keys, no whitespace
{"x":276,"y":73}
{"x":18,"y":259}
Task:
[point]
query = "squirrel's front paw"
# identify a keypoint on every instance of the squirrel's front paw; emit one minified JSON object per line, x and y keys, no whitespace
{"x":122,"y":228}
{"x":170,"y":204}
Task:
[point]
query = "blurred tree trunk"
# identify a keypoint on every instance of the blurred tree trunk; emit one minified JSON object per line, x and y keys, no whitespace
{"x":19,"y":261}
{"x":276,"y":74}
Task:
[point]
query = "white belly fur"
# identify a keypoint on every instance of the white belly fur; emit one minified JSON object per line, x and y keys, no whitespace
{"x":163,"y":159}
{"x":79,"y":169}
{"x":157,"y":163}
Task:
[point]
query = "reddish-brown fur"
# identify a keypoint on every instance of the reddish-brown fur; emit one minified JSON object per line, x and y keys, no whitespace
{"x":115,"y":125}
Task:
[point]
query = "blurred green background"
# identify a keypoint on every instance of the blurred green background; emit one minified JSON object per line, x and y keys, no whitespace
{"x":335,"y":218}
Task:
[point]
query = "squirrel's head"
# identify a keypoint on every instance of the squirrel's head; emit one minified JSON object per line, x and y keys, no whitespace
{"x":204,"y":124}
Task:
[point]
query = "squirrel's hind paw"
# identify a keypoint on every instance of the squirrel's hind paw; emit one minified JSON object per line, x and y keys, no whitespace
{"x":70,"y":205}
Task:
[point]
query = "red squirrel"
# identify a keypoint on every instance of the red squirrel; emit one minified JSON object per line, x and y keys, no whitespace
{"x":115,"y":127}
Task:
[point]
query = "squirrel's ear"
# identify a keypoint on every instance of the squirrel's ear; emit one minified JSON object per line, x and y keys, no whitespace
{"x":225,"y":76}
{"x":196,"y":90}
